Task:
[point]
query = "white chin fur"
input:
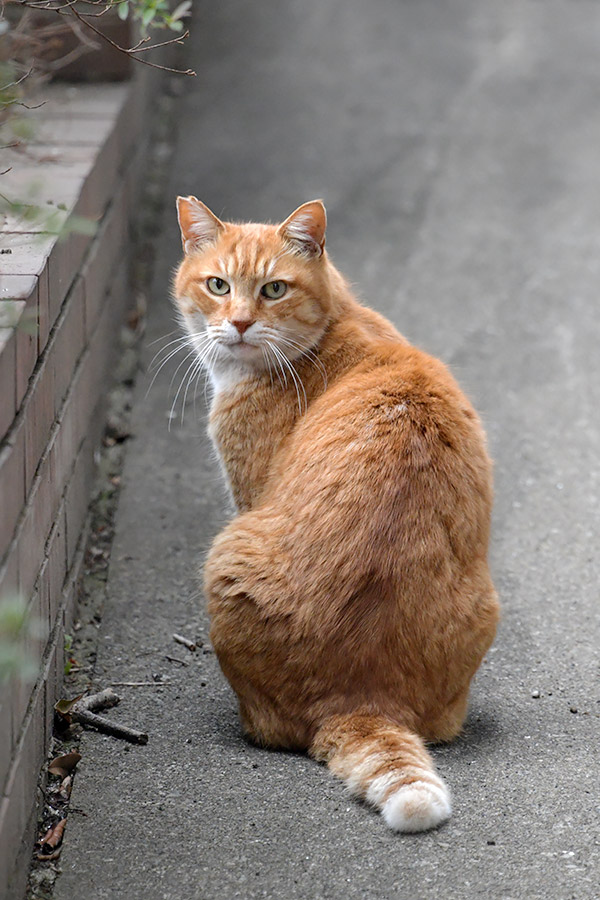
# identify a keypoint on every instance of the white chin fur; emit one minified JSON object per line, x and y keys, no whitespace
{"x":417,"y":807}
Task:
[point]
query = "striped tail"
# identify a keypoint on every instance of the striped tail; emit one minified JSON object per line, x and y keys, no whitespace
{"x":386,"y":765}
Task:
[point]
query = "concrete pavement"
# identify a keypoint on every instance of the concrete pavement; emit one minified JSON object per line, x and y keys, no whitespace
{"x":456,"y":146}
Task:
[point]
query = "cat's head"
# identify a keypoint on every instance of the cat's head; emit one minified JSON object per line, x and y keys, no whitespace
{"x":248,"y":293}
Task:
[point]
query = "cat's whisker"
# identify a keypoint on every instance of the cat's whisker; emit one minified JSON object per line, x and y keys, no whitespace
{"x":295,"y":377}
{"x":192,"y":352}
{"x":209,"y":361}
{"x":196,"y":364}
{"x":165,"y":361}
{"x":195,"y":371}
{"x":184,"y":339}
{"x":172,"y":412}
{"x":308,"y":355}
{"x":162,"y":337}
{"x":281,"y":374}
{"x":293,"y":371}
{"x":267,"y":364}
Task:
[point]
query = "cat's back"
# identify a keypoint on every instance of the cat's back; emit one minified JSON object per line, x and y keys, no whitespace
{"x":396,"y":391}
{"x":393,"y":440}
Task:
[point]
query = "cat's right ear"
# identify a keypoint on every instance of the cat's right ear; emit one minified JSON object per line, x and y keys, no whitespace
{"x":198,"y":224}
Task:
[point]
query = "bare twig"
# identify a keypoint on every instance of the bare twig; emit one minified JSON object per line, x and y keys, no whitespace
{"x":81,"y":710}
{"x":10,"y":84}
{"x":176,"y":659}
{"x":191,"y":646}
{"x":102,"y":700}
{"x":108,"y":727}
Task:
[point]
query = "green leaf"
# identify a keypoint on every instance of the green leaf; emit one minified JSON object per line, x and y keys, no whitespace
{"x":123,"y":10}
{"x":182,"y":10}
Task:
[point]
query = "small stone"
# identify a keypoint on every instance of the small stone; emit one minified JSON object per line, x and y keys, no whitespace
{"x":573,"y":709}
{"x":491,"y":843}
{"x":535,"y":694}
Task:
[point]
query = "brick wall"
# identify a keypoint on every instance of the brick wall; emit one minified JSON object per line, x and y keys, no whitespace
{"x":85,"y":159}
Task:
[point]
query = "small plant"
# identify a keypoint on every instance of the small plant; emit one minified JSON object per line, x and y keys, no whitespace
{"x":16,"y":625}
{"x":68,"y":658}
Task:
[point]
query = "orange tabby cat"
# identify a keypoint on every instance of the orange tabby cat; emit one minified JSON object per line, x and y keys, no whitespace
{"x":350,"y":599}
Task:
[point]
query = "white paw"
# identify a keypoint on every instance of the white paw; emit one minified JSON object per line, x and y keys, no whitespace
{"x":417,"y":807}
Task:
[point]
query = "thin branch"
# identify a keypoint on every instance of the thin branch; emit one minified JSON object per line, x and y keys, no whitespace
{"x":10,"y":84}
{"x":177,"y":40}
{"x":68,"y":9}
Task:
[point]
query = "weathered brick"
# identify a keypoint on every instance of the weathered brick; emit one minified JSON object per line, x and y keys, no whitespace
{"x":42,"y":505}
{"x":8,"y":387}
{"x":6,"y":741}
{"x":77,"y":498}
{"x":69,"y":342}
{"x":57,"y":564}
{"x":12,"y":484}
{"x":67,"y":439}
{"x":18,"y":805}
{"x":39,"y":416}
{"x":43,"y":311}
{"x":34,"y":645}
{"x":26,"y":289}
{"x":111,"y":245}
{"x":9,"y":573}
{"x":27,"y":255}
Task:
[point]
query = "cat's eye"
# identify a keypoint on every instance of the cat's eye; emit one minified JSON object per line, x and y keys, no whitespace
{"x":274,"y":290}
{"x":217,"y":286}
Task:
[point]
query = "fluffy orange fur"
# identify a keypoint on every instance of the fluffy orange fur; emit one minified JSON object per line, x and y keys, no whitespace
{"x":350,"y":599}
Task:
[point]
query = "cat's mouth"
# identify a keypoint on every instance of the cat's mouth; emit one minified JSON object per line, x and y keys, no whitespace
{"x":241,"y":345}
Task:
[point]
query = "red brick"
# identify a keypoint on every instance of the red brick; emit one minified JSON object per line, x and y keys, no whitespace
{"x":9,"y":573}
{"x":25,"y":288}
{"x":69,"y":342}
{"x":43,"y":311}
{"x":8,"y":385}
{"x":18,"y":806}
{"x":6,"y":738}
{"x":12,"y":484}
{"x":34,"y":645}
{"x":57,"y":564}
{"x":111,"y":245}
{"x":42,"y":506}
{"x":39,"y":416}
{"x":77,"y":498}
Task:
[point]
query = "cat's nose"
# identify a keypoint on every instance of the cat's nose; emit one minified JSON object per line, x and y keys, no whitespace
{"x":242,"y":325}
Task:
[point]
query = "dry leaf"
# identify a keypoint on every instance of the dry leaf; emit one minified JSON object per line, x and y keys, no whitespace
{"x":63,"y":765}
{"x":51,"y":840}
{"x":65,"y":787}
{"x":65,"y":707}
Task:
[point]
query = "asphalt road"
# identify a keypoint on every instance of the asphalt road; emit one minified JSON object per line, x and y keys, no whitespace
{"x":456,"y":146}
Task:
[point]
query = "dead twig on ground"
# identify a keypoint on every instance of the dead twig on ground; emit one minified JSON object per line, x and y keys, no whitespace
{"x":176,"y":659}
{"x":83,"y":710}
{"x":185,"y":642}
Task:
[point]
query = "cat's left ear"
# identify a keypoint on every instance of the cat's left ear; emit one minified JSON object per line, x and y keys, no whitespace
{"x":305,"y":228}
{"x":198,"y":224}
